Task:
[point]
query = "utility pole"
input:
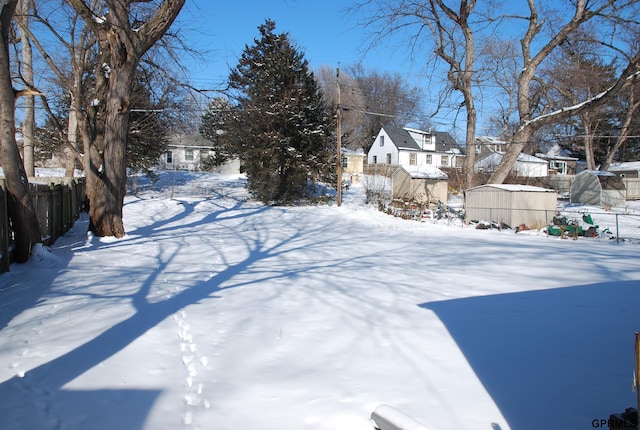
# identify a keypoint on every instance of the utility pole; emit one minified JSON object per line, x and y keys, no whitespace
{"x":339,"y":132}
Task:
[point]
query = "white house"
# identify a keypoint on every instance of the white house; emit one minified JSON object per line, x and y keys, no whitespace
{"x":526,"y":165}
{"x":188,"y":151}
{"x":560,"y":161}
{"x":414,"y":150}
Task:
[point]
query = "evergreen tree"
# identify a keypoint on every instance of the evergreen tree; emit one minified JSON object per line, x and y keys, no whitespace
{"x":214,"y":122}
{"x":280,"y":127}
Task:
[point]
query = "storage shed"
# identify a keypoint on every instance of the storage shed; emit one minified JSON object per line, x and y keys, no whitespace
{"x":593,"y":187}
{"x":423,"y":186}
{"x":512,"y":205}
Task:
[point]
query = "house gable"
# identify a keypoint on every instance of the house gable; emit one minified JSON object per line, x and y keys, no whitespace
{"x":413,"y":149}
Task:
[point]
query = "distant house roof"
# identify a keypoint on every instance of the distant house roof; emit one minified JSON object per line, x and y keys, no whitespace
{"x":557,"y":153}
{"x":403,"y":140}
{"x":195,"y":140}
{"x":490,"y":140}
{"x":347,"y":151}
{"x":624,"y":166}
{"x":445,"y":143}
{"x":522,"y":157}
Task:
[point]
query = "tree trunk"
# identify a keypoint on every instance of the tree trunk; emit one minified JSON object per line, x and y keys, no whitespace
{"x":470,"y":152}
{"x":109,"y":186}
{"x":28,"y":126}
{"x":24,"y":222}
{"x":105,"y":143}
{"x":634,"y":105}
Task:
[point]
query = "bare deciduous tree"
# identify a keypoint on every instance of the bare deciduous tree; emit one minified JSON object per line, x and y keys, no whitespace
{"x":452,"y":31}
{"x":21,"y":212}
{"x":582,"y":12}
{"x":453,"y":42}
{"x":369,"y":100}
{"x":123,"y":38}
{"x":26,"y":71}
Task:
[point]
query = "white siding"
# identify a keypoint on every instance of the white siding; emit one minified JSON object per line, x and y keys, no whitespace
{"x":381,"y":151}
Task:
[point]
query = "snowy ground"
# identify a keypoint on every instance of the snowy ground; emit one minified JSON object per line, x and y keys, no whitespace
{"x":215,"y":312}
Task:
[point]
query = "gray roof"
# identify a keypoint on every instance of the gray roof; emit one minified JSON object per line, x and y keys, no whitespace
{"x":403,"y":140}
{"x":445,"y":143}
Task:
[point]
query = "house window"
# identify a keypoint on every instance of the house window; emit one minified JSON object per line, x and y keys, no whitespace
{"x":559,"y":166}
{"x":381,"y":140}
{"x":169,"y":157}
{"x":429,"y":159}
{"x":204,"y":154}
{"x":188,"y":154}
{"x":345,"y":162}
{"x":412,"y":159}
{"x":444,"y":160}
{"x":388,"y":158}
{"x":375,"y":159}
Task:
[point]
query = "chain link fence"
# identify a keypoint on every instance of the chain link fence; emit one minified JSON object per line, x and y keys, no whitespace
{"x":591,"y":223}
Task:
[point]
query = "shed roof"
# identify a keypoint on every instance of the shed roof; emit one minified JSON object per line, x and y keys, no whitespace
{"x":425,"y":172}
{"x":515,"y":188}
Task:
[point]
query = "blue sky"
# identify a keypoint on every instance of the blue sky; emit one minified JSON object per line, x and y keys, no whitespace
{"x":324,"y":30}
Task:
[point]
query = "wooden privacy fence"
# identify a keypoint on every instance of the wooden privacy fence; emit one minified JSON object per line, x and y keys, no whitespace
{"x":57,"y":201}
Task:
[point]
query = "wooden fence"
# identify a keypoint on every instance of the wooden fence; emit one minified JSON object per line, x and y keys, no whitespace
{"x":57,"y":202}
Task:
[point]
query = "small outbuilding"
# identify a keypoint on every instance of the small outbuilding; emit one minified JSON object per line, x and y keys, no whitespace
{"x":593,"y":187}
{"x":352,"y":164}
{"x":511,"y":205}
{"x":422,"y":186}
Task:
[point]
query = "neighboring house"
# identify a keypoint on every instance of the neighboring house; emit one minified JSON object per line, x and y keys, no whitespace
{"x":629,"y":169}
{"x":414,"y":150}
{"x":486,"y":145}
{"x":526,"y":165}
{"x":560,"y":161}
{"x":188,"y":151}
{"x":427,"y":186}
{"x":352,"y":164}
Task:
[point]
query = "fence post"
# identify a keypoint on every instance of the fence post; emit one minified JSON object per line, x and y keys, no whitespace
{"x":617,"y":230}
{"x":4,"y":234}
{"x":637,"y":348}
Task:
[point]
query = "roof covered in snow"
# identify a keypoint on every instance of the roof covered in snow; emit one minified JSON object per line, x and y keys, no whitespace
{"x":516,"y":187}
{"x":624,"y":166}
{"x":424,"y":172}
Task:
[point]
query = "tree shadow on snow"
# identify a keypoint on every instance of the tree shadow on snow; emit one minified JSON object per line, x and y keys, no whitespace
{"x":557,"y":358}
{"x":38,"y":397}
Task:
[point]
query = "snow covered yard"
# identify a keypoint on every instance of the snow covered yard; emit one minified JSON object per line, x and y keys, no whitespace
{"x":217,"y":312}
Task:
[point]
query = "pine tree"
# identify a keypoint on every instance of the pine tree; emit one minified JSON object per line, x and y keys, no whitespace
{"x":280,"y":127}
